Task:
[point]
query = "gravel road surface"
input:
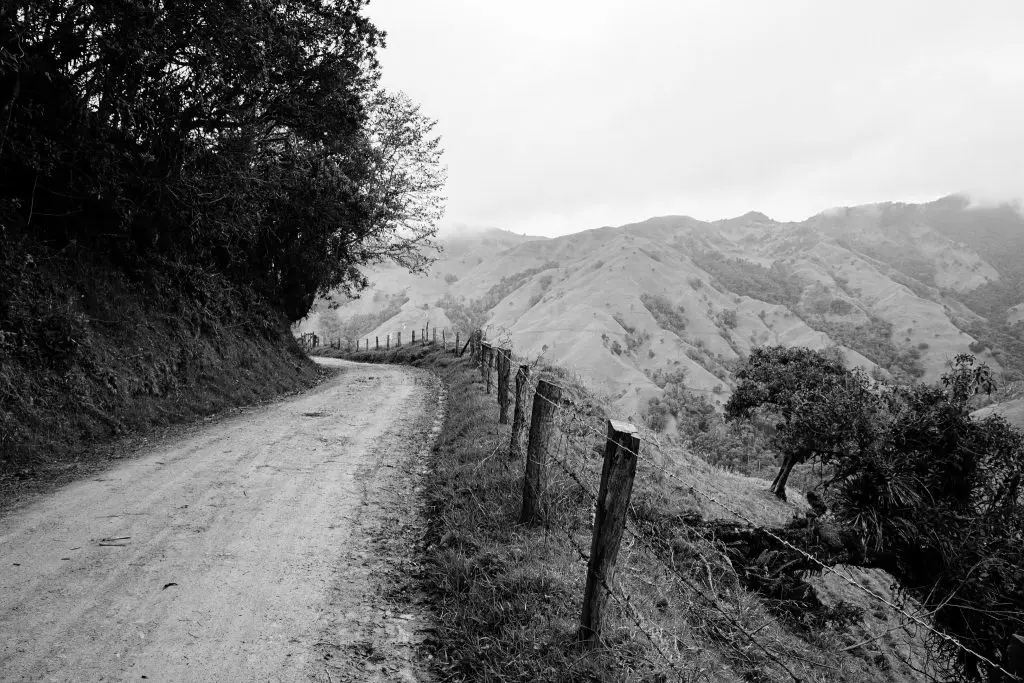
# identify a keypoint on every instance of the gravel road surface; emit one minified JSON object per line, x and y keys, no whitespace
{"x":276,"y":545}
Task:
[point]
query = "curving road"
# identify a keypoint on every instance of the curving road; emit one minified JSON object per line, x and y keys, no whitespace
{"x":267,"y":547}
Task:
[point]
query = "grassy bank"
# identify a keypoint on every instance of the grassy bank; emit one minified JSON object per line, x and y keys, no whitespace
{"x":91,"y":354}
{"x":507,"y":598}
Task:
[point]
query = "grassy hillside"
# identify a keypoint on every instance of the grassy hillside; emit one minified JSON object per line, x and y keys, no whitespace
{"x":90,"y":353}
{"x":898,"y":289}
{"x":507,"y":597}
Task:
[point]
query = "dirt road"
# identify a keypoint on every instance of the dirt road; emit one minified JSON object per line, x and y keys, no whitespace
{"x":273,"y":546}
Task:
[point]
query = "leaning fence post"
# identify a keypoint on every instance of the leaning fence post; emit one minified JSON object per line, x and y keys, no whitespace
{"x":519,"y":413}
{"x":617,"y":475}
{"x":504,"y":366}
{"x":542,"y":431}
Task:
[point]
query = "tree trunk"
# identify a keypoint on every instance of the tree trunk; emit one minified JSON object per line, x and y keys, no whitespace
{"x":778,"y":486}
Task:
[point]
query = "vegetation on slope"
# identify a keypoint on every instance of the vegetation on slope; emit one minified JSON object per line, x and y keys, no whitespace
{"x":507,"y":597}
{"x":916,"y":485}
{"x":772,"y":285}
{"x":473,"y":315}
{"x":88,"y":354}
{"x":211,"y":167}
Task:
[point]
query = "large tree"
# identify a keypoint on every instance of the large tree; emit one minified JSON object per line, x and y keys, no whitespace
{"x":249,"y":135}
{"x":801,"y":393}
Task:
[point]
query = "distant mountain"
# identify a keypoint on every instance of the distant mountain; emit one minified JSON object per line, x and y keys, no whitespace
{"x":899,"y":289}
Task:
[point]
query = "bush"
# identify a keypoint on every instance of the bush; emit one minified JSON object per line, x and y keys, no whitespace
{"x":729,"y":318}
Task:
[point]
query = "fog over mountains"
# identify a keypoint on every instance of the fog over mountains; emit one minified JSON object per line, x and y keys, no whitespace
{"x":899,"y":288}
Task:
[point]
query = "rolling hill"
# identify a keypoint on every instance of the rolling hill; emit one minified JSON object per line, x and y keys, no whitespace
{"x":899,"y":289}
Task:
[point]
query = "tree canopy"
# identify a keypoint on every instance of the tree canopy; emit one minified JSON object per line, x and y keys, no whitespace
{"x":800,"y":391}
{"x":251,"y":137}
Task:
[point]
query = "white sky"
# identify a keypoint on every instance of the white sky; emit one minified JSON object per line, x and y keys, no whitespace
{"x":564,"y":115}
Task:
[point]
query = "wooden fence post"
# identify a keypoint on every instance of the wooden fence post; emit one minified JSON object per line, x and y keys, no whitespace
{"x":504,"y":366}
{"x":388,"y":342}
{"x":1015,"y":655}
{"x":444,"y":342}
{"x":488,"y":357}
{"x":414,"y":336}
{"x":376,"y":343}
{"x":617,"y":475}
{"x":357,"y":346}
{"x":485,"y":365}
{"x":519,"y":413}
{"x":542,"y":432}
{"x":398,"y":344}
{"x":435,"y":335}
{"x":366,"y":346}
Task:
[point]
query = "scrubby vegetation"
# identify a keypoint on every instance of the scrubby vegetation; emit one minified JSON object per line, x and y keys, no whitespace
{"x":919,"y":487}
{"x":692,"y":412}
{"x":874,"y":340}
{"x":98,"y":354}
{"x":668,"y":316}
{"x":773,"y":284}
{"x":473,"y":314}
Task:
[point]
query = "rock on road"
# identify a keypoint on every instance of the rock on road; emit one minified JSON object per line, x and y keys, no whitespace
{"x":269,"y":546}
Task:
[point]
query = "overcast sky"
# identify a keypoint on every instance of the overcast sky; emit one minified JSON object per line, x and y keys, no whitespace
{"x":565,"y":115}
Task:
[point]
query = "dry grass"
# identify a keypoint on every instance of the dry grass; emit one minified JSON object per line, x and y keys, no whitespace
{"x":507,"y":598}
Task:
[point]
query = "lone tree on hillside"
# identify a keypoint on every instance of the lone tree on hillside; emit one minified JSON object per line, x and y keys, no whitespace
{"x":929,"y":494}
{"x":792,"y":387}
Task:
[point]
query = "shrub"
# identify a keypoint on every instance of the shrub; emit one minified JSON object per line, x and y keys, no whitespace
{"x":729,"y":318}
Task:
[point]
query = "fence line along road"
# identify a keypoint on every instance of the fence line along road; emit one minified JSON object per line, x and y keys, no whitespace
{"x":612,"y":502}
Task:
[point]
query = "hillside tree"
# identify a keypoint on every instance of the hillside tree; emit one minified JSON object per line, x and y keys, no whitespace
{"x":916,"y":487}
{"x":790,"y":388}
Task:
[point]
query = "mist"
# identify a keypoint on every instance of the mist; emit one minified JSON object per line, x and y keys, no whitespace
{"x":560,"y":117}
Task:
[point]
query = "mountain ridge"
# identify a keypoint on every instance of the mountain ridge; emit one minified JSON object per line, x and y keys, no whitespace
{"x":899,"y":289}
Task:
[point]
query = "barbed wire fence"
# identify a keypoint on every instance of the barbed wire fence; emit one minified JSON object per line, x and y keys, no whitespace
{"x":579,"y":434}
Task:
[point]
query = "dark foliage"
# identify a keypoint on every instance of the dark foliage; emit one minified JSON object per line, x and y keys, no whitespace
{"x":773,"y":285}
{"x":246,"y":138}
{"x":931,"y":495}
{"x":784,"y":385}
